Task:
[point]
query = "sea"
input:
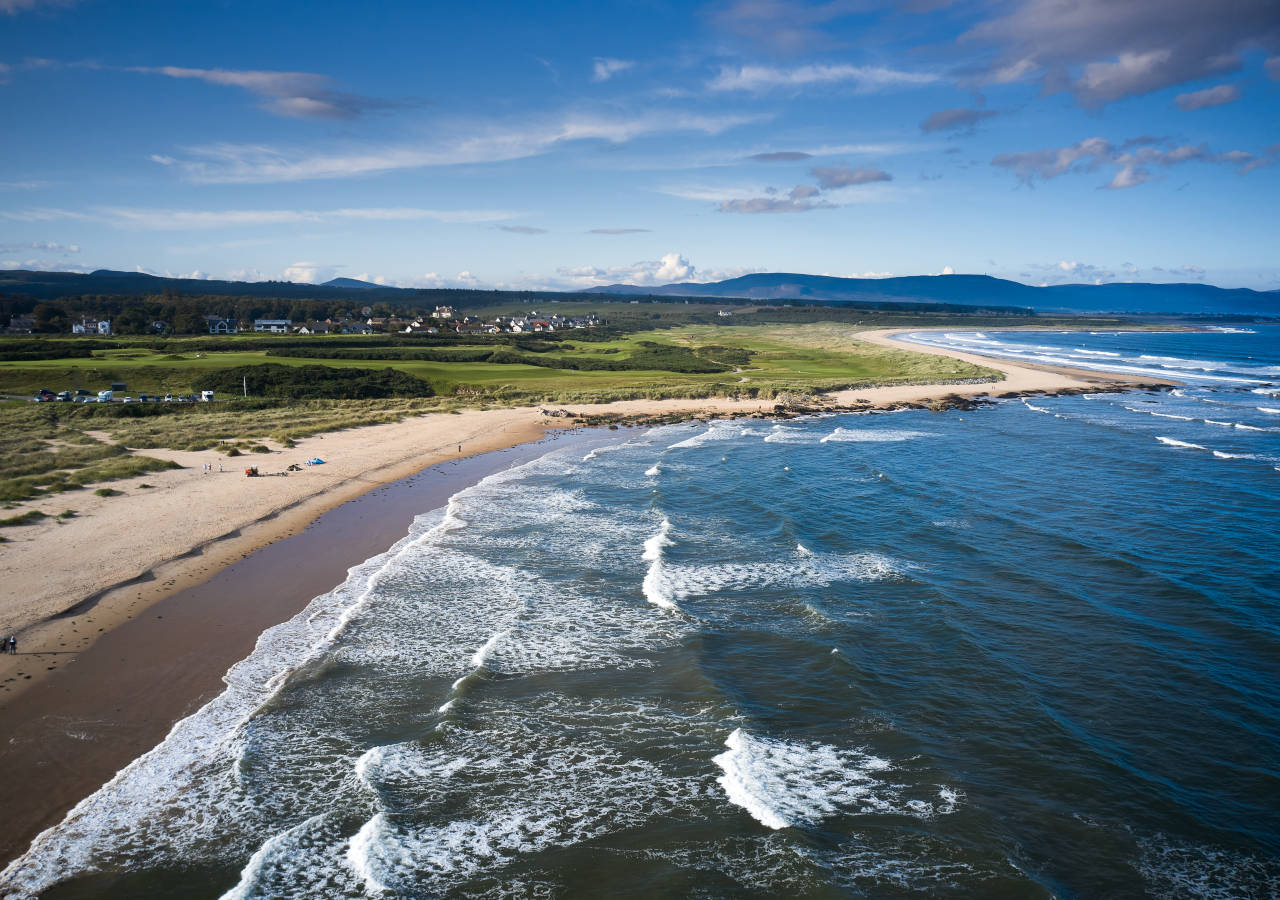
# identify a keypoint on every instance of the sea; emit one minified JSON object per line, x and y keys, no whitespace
{"x":1026,"y":650}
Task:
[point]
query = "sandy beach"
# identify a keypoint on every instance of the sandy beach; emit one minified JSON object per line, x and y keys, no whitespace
{"x":128,"y":615}
{"x":68,"y":581}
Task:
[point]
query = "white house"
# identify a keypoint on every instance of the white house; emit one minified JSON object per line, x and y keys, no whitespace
{"x":275,"y":326}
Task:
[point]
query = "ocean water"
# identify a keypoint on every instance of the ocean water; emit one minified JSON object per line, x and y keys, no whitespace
{"x":1031,"y":650}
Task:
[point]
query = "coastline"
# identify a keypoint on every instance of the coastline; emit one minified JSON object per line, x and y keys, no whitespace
{"x":68,"y":582}
{"x":107,"y":682}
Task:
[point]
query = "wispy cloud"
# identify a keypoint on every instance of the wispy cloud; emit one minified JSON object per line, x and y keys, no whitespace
{"x":759,"y":78}
{"x":521,"y":229}
{"x":801,"y":198}
{"x":605,"y":68}
{"x":254,"y":163}
{"x":1214,"y":96}
{"x":956,"y":119}
{"x":303,"y":95}
{"x":832,"y":177}
{"x":620,"y":231}
{"x":781,"y":156}
{"x":48,"y":246}
{"x":190,"y":219}
{"x":13,"y":7}
{"x":1131,"y":160}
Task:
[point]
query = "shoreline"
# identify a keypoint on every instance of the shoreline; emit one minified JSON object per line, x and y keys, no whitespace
{"x":70,"y":733}
{"x":197,"y":523}
{"x":85,"y":711}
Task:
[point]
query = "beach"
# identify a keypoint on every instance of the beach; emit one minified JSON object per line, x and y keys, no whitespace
{"x":129,"y":613}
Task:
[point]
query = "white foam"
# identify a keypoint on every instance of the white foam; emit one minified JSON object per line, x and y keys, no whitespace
{"x":1269,"y":410}
{"x":1033,"y":408}
{"x":257,"y":863}
{"x":653,"y":471}
{"x":782,"y":435}
{"x":717,"y":431}
{"x":784,"y":784}
{"x":1171,"y":442}
{"x":657,"y":584}
{"x":481,"y":656}
{"x":803,"y":550}
{"x":874,"y":435}
{"x":364,"y":852}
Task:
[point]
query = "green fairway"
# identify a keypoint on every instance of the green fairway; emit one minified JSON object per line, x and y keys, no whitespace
{"x":755,"y":360}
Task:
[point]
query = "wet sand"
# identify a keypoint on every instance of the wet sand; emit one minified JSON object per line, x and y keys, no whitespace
{"x":71,"y":732}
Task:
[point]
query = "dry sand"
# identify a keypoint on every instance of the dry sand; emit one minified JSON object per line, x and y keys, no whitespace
{"x":66,"y":582}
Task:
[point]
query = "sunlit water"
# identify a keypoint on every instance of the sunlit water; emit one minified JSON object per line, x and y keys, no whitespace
{"x":1026,"y":651}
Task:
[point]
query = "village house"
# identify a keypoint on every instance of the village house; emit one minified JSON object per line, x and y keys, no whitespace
{"x":21,"y":325}
{"x":443,"y":312}
{"x":92,"y":326}
{"x":219,"y":325}
{"x":275,"y":326}
{"x":315,"y":328}
{"x":356,"y":328}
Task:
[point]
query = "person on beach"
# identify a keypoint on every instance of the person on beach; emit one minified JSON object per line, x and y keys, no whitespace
{"x":13,"y":643}
{"x":4,"y":644}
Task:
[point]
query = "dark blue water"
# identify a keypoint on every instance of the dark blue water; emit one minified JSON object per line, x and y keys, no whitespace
{"x":1025,"y":651}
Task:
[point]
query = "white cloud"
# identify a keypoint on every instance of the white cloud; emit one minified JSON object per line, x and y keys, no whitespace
{"x":310,"y":272}
{"x":186,"y":219}
{"x":758,"y":78}
{"x":605,"y":68}
{"x":671,"y":268}
{"x":255,"y":163}
{"x":162,"y":159}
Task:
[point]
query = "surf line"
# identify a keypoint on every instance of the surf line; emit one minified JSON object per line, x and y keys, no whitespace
{"x":658,"y":587}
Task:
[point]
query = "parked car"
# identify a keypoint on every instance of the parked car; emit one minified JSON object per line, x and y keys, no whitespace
{"x":168,"y":398}
{"x":65,"y":396}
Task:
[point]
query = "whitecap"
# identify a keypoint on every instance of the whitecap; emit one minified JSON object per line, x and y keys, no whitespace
{"x":784,"y":784}
{"x":874,"y":435}
{"x":1183,"y":444}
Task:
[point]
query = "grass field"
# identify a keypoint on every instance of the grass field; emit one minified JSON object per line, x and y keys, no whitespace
{"x":794,"y":358}
{"x":49,"y":448}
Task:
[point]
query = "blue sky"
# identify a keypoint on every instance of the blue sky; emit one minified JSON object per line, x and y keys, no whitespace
{"x":575,"y":144}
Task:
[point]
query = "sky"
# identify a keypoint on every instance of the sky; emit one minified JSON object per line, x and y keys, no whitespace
{"x":571,"y":145}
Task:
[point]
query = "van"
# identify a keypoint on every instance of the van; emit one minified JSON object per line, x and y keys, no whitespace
{"x":106,"y":396}
{"x":206,"y":396}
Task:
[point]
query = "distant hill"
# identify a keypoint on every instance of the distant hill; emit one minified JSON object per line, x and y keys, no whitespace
{"x":965,"y":290}
{"x":351,"y":284}
{"x":978,"y":290}
{"x":51,"y":285}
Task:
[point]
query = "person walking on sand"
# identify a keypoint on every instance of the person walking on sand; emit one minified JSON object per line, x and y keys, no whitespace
{"x":13,"y":643}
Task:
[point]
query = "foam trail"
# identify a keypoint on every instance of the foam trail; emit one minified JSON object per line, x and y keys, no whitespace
{"x":481,"y":656}
{"x":1270,"y":410}
{"x":657,"y":586}
{"x":253,"y":869}
{"x":1184,"y":444}
{"x":653,"y":471}
{"x":1039,"y":409}
{"x":741,"y":788}
{"x":361,"y":855}
{"x":873,"y":435}
{"x":803,"y":550}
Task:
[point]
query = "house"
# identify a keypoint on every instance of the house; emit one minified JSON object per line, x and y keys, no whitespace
{"x":443,"y":312}
{"x":21,"y":325}
{"x":92,"y":326}
{"x":219,"y":325}
{"x":275,"y":326}
{"x":316,"y":328}
{"x":724,"y":314}
{"x":356,"y":328}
